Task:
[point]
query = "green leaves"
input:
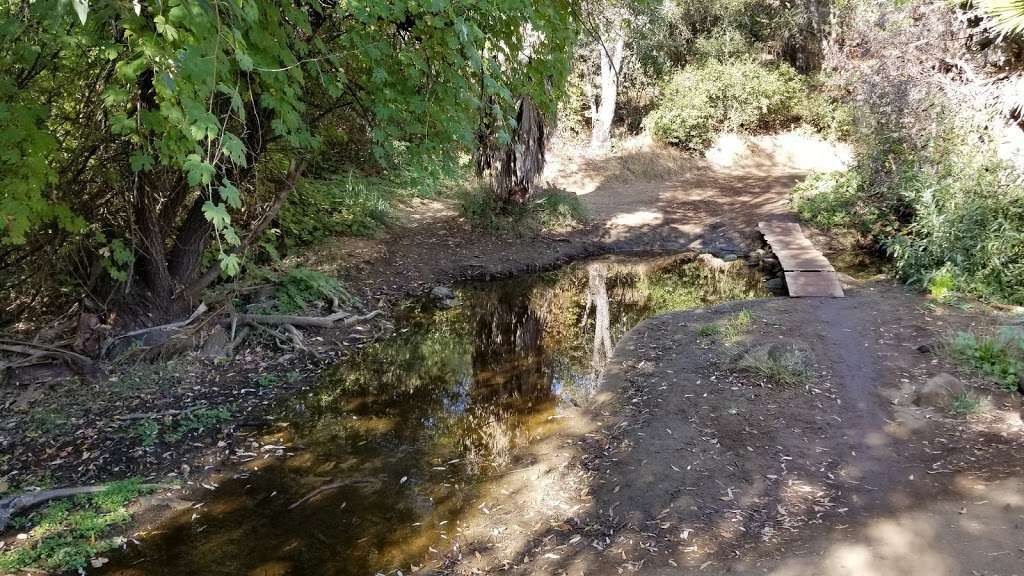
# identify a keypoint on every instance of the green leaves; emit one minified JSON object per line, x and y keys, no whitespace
{"x":234,"y":149}
{"x":217,"y":214}
{"x":1007,"y":14}
{"x":97,"y":95}
{"x":230,"y":194}
{"x":198,"y":170}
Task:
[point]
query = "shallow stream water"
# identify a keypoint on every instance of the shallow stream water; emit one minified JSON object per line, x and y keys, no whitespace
{"x":364,"y":472}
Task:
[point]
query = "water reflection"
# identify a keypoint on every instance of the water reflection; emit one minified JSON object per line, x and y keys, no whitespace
{"x":406,"y":433}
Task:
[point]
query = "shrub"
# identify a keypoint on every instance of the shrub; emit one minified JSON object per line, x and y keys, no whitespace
{"x":551,"y":208}
{"x":949,"y":213}
{"x":560,"y":209}
{"x":738,"y":95}
{"x":999,"y":356}
{"x":834,"y":200}
{"x":296,"y":289}
{"x":827,"y":116}
{"x":353,"y":205}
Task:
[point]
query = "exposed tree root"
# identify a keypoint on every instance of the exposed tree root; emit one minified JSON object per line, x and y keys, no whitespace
{"x":36,"y":351}
{"x":200,"y":310}
{"x":330,"y":321}
{"x":13,"y":505}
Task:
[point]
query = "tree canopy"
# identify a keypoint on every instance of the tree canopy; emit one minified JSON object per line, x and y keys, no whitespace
{"x":161,"y":135}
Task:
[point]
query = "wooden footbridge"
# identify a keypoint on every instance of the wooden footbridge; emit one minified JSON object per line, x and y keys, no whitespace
{"x":807,"y":271}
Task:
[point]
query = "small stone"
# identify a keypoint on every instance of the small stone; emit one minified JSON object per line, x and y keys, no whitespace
{"x":442,"y":293}
{"x":925,"y":348}
{"x":730,"y":257}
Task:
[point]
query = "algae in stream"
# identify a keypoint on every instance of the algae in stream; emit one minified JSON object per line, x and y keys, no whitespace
{"x":407,"y":432}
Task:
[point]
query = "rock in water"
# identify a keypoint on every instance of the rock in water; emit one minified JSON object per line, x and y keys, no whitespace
{"x":938,"y":391}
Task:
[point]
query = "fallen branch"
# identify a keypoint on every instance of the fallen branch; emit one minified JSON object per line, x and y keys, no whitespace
{"x":296,"y":337}
{"x":200,"y":310}
{"x":13,"y":505}
{"x":309,"y":321}
{"x":148,"y":415}
{"x":37,"y":350}
{"x":315,"y":493}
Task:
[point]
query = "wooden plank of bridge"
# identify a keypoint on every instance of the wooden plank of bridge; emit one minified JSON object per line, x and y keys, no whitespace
{"x":807,"y":271}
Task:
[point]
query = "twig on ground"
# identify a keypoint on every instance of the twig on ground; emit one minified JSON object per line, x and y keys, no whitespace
{"x":315,"y":493}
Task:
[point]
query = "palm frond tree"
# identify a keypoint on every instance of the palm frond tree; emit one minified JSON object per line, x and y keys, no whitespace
{"x":1008,"y":15}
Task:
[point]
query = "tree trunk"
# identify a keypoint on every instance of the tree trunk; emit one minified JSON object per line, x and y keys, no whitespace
{"x":610,"y":54}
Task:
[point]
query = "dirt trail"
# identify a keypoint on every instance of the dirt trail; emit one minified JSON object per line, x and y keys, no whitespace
{"x":689,"y":466}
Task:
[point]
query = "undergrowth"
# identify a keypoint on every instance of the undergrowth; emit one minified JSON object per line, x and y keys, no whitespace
{"x":964,"y":404}
{"x":998,"y":356}
{"x":550,"y":209}
{"x":730,"y":330}
{"x":949,"y":214}
{"x":65,"y":534}
{"x":296,"y":289}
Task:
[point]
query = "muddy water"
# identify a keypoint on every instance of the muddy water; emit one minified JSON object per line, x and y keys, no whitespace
{"x":372,"y":468}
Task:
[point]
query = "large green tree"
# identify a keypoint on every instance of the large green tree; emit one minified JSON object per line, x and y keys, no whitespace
{"x":147,"y":144}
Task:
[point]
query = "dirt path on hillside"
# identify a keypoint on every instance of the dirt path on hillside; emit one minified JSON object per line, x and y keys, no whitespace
{"x":689,"y":466}
{"x":641,"y":197}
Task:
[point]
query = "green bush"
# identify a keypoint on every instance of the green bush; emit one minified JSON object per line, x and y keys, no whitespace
{"x":560,"y":209}
{"x":948,"y":212}
{"x":1000,"y":357}
{"x":739,"y":95}
{"x":550,"y":209}
{"x":352,"y":205}
{"x":296,"y":289}
{"x":834,"y":201}
{"x":827,"y":116}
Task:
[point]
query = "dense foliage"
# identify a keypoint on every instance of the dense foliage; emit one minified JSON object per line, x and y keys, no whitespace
{"x":740,"y":95}
{"x":155,"y":141}
{"x":937,"y":181}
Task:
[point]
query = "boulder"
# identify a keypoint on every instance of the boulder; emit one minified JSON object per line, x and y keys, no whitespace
{"x":938,"y":391}
{"x":775,"y":284}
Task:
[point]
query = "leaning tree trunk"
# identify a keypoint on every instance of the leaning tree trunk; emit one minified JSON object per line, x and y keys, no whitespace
{"x":610,"y":55}
{"x":516,"y":168}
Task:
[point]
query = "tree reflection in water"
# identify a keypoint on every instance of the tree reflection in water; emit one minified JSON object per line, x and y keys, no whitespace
{"x":411,"y":427}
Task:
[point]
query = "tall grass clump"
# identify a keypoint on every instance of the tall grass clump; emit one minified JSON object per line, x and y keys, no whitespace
{"x":998,"y":356}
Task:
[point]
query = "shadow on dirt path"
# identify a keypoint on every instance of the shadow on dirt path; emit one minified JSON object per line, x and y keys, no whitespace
{"x":700,"y":468}
{"x":642,"y":197}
